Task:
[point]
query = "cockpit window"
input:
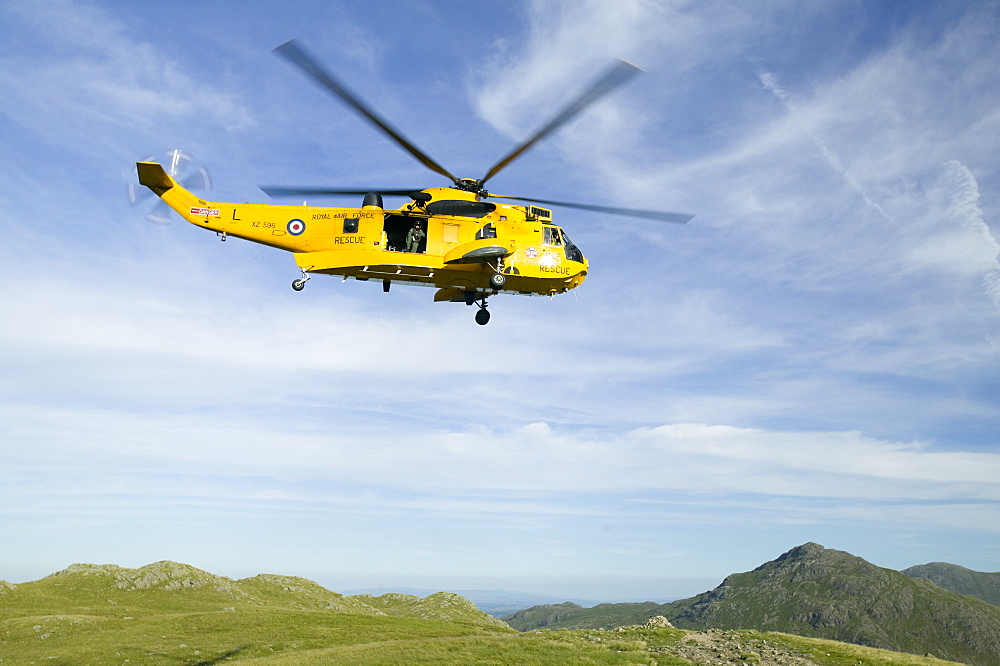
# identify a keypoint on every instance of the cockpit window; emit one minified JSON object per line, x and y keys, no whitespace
{"x":572,"y":251}
{"x":553,"y":237}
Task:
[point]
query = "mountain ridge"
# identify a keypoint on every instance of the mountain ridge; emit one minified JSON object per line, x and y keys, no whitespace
{"x":979,"y":584}
{"x":134,"y":587}
{"x":814,"y":591}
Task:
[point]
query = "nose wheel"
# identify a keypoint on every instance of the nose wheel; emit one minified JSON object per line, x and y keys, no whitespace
{"x":497,"y":278}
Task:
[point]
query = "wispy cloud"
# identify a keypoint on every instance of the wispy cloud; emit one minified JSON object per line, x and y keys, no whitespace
{"x":236,"y":431}
{"x":95,"y":72}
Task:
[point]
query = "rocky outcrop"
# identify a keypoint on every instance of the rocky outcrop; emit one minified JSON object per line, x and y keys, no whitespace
{"x":735,"y":647}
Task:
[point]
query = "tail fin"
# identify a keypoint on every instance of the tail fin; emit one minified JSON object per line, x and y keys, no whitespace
{"x":153,"y":176}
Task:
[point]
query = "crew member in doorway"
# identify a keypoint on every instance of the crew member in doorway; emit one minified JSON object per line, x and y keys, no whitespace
{"x":414,"y":238}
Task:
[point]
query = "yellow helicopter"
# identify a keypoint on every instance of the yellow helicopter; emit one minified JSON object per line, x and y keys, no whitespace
{"x":445,"y":237}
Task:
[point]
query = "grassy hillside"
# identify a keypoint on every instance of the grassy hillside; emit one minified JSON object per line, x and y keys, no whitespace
{"x":985,"y":586}
{"x":169,"y":613}
{"x":174,"y":613}
{"x":817,"y":592}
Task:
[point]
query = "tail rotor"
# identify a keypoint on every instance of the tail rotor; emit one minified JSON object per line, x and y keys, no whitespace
{"x":182,"y":167}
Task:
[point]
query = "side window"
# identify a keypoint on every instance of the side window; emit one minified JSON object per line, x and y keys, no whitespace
{"x":552,"y":237}
{"x":351,"y":225}
{"x":488,"y":231}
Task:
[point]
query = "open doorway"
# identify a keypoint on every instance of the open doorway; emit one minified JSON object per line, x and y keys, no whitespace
{"x":397,"y":229}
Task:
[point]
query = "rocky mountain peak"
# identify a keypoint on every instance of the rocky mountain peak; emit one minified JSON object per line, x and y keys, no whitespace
{"x":806,"y":550}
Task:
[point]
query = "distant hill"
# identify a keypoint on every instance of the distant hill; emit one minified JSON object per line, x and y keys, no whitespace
{"x":985,"y":586}
{"x":569,"y":615}
{"x":815,"y":591}
{"x":498,"y":603}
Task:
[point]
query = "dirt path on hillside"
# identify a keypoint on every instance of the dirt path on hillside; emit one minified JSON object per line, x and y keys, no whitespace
{"x":715,"y":647}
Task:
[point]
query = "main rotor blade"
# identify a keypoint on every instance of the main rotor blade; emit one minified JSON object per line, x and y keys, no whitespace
{"x":279,"y":191}
{"x":294,"y":54}
{"x":662,"y":216}
{"x":619,"y":73}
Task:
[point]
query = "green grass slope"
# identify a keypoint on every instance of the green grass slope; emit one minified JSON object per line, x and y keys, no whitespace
{"x":631,"y":645}
{"x":985,"y":586}
{"x":173,"y":613}
{"x":817,"y":592}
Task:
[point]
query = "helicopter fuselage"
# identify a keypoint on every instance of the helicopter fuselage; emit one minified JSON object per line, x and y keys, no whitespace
{"x":465,"y":243}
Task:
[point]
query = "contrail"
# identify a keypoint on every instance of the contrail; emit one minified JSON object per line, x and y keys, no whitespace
{"x":965,"y":205}
{"x":770,"y":82}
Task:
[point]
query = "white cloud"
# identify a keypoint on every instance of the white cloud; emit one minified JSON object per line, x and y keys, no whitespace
{"x":535,"y":457}
{"x":88,"y":71}
{"x":565,"y":47}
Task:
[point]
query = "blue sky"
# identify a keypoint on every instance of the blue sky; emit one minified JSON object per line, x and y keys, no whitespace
{"x":814,"y":357}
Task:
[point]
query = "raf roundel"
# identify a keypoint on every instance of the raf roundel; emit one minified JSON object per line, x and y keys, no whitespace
{"x":296,"y":227}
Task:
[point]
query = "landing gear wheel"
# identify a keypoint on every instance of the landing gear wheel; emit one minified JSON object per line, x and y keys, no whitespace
{"x":483,"y":317}
{"x":299,"y":285}
{"x":497,"y":281}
